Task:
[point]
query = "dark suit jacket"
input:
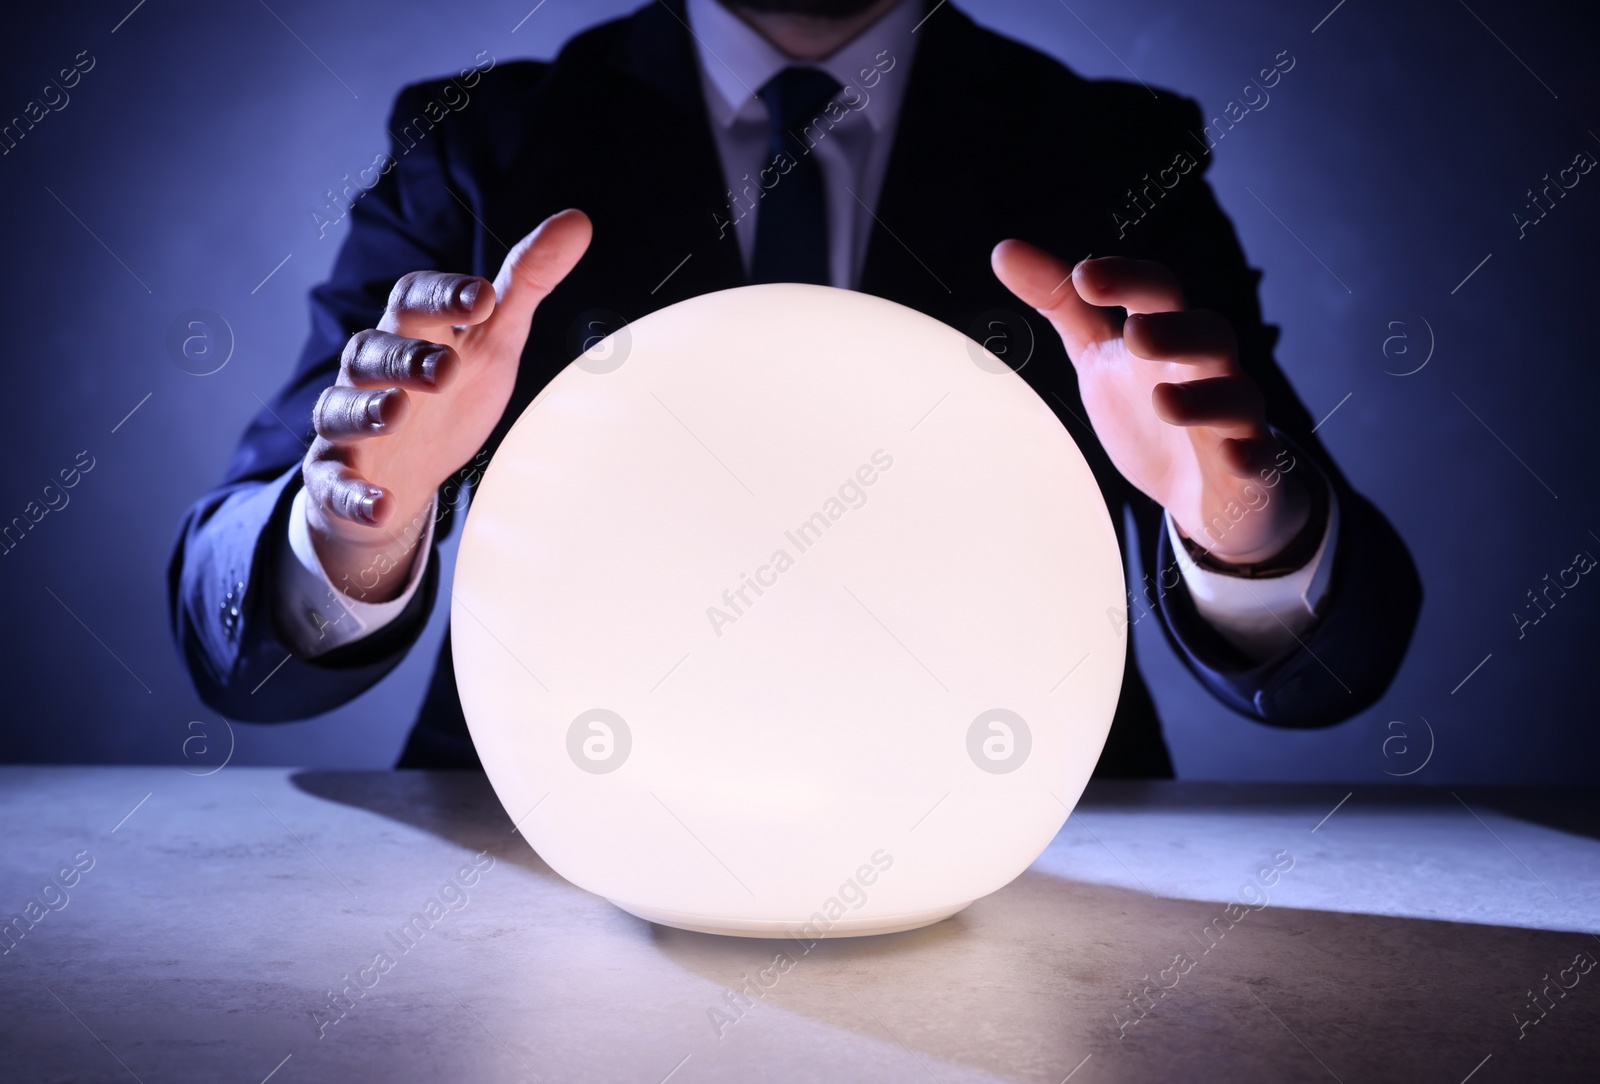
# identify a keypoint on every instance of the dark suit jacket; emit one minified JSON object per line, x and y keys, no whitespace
{"x":995,"y":140}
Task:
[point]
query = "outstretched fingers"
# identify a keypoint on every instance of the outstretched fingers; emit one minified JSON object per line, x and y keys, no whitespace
{"x":1219,"y":401}
{"x":380,"y":359}
{"x":1046,"y":284}
{"x":1189,"y":337}
{"x":344,"y":414}
{"x":339,"y":490}
{"x":424,"y":301}
{"x":1233,"y":405}
{"x":1135,"y":285}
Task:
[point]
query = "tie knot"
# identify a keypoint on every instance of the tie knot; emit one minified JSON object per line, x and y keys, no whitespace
{"x":795,"y":97}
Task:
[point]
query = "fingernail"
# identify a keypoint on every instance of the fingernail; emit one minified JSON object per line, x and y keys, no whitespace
{"x":469,"y":295}
{"x":429,"y":365}
{"x":375,"y":409}
{"x":367,"y":507}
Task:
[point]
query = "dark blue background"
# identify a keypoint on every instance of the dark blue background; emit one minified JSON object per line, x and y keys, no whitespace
{"x":1396,"y":150}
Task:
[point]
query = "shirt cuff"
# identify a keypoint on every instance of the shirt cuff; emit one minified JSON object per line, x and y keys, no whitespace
{"x":314,"y":615}
{"x":1261,"y":617}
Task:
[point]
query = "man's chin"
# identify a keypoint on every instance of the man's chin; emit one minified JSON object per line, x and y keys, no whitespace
{"x":821,"y":9}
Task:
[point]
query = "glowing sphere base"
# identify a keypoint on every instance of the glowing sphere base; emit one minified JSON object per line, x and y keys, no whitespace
{"x":788,"y":611}
{"x":801,"y":928}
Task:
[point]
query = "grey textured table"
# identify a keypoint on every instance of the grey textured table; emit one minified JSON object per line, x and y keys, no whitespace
{"x":204,"y":929}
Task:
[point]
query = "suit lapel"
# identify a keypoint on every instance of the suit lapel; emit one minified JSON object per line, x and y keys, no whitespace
{"x":937,"y":196}
{"x":677,"y":156}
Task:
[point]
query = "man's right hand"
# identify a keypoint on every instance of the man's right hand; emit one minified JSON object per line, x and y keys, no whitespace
{"x":416,"y":398}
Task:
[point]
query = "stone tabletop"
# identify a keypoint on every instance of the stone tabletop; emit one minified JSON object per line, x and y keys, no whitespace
{"x":253,"y":923}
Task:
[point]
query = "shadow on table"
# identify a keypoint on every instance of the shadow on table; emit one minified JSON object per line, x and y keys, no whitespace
{"x":458,"y":806}
{"x":1027,"y":983}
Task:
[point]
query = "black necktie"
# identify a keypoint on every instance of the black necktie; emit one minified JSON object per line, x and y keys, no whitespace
{"x":792,"y":224}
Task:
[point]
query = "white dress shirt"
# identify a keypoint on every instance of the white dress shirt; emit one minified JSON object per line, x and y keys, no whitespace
{"x":1261,"y":617}
{"x":315,"y":615}
{"x":853,"y":152}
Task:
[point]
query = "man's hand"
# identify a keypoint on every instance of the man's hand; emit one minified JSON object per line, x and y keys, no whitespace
{"x":416,"y":397}
{"x":1167,"y":398}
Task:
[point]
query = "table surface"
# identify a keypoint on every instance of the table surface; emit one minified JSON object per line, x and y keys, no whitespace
{"x":219,"y":910}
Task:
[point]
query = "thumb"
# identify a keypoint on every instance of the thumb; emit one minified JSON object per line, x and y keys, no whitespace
{"x":534,"y":267}
{"x":1043,"y":282}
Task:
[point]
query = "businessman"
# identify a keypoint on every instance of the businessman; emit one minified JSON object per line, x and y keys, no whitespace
{"x":890,"y":146}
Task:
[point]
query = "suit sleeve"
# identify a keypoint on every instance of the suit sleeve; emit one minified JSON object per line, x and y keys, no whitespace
{"x":1343,"y":663}
{"x":222,"y":575}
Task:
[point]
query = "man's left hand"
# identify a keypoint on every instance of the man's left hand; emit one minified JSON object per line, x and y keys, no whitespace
{"x":1167,"y":398}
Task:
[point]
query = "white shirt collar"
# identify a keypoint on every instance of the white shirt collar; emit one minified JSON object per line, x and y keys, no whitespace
{"x":737,"y":61}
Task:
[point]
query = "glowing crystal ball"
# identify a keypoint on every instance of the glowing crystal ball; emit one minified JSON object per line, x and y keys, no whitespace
{"x":788,"y":610}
